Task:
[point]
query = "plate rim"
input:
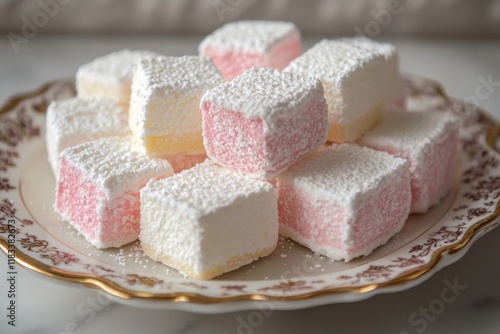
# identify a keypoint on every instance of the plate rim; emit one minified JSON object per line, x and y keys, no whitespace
{"x":94,"y":281}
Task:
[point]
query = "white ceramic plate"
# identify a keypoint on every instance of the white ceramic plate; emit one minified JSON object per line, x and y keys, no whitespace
{"x":292,"y":277}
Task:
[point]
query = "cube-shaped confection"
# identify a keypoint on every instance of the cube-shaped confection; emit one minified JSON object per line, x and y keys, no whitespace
{"x":110,"y":76}
{"x":239,"y":46}
{"x":98,"y":189}
{"x":78,"y":120}
{"x":344,"y":201}
{"x":263,"y":121}
{"x":353,"y":79}
{"x":429,"y":141}
{"x":208,"y":220}
{"x":392,"y":77}
{"x":164,"y":112}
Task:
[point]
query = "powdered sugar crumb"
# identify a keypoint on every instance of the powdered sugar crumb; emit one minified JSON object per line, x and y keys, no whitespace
{"x":178,"y":73}
{"x":264,"y":93}
{"x":165,"y":93}
{"x":387,"y":50}
{"x":410,"y":131}
{"x":78,"y":120}
{"x":353,"y":78}
{"x":196,"y":187}
{"x":350,"y":169}
{"x":332,"y":60}
{"x":116,"y":164}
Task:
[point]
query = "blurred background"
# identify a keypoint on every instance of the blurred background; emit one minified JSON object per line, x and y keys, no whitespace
{"x":457,"y":18}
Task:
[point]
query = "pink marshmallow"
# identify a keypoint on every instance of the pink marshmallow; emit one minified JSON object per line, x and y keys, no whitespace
{"x":429,"y":142}
{"x":264,"y":121}
{"x":344,"y":201}
{"x":98,"y":187}
{"x":239,"y":46}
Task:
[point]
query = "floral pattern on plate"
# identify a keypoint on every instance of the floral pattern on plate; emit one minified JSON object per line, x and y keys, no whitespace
{"x":293,"y":277}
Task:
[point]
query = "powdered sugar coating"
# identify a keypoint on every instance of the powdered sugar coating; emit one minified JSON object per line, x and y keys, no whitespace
{"x":264,"y":121}
{"x":263,"y":93}
{"x":74,"y":121}
{"x":390,"y":53}
{"x":344,"y":201}
{"x":165,"y":74}
{"x":353,"y":78}
{"x":196,"y":187}
{"x":113,"y":68}
{"x":248,"y":36}
{"x":354,"y":172}
{"x":332,"y":60}
{"x":387,"y":50}
{"x":429,"y":142}
{"x":115,"y":164}
{"x":98,"y":187}
{"x":412,"y":132}
{"x":228,"y":220}
{"x":110,"y":76}
{"x":165,"y":102}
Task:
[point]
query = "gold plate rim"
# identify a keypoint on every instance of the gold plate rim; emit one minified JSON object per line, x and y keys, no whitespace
{"x":105,"y":285}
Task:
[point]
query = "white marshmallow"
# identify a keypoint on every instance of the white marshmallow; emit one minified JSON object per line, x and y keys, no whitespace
{"x":78,"y":120}
{"x":352,"y":78}
{"x":166,"y":93}
{"x":208,"y":220}
{"x":392,"y":77}
{"x":110,"y":75}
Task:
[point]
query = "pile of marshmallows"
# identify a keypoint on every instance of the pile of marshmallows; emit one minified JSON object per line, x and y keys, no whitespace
{"x":130,"y":152}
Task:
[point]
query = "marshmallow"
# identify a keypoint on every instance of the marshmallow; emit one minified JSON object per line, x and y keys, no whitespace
{"x":263,"y":121}
{"x":239,"y":46}
{"x":98,"y":187}
{"x":75,"y":121}
{"x":353,"y":79}
{"x":344,"y":201}
{"x":110,"y":76}
{"x":429,"y":142}
{"x":208,"y":220}
{"x":164,"y":113}
{"x":392,"y":77}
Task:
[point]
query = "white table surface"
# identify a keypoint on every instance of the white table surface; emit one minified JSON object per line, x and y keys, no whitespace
{"x":48,"y":306}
